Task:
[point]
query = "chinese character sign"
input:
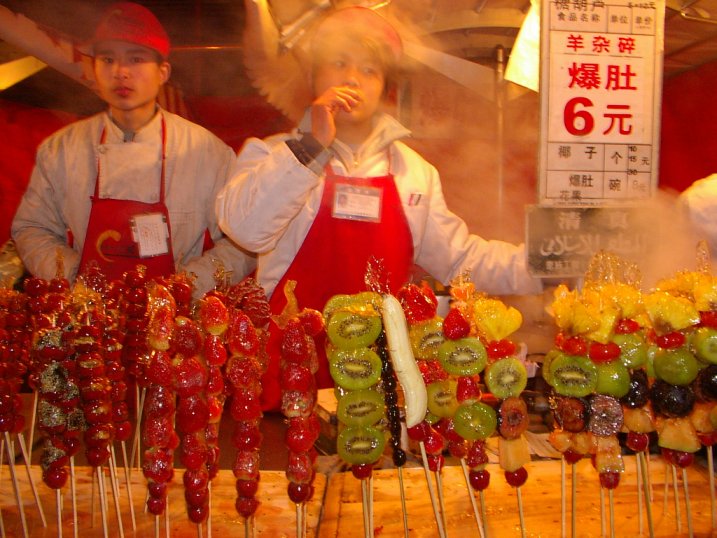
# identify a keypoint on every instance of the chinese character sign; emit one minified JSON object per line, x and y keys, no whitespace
{"x":601,"y":66}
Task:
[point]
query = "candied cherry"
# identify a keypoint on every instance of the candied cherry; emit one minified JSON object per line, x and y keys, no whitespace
{"x":572,"y":345}
{"x":362,"y":470}
{"x":299,"y":493}
{"x":637,"y":442}
{"x":247,"y":488}
{"x":516,"y":478}
{"x":479,"y":479}
{"x":156,"y":505}
{"x":601,"y":353}
{"x":498,"y":349}
{"x":627,"y":326}
{"x":670,"y":340}
{"x":708,"y":318}
{"x":609,"y":479}
{"x":572,"y":457}
{"x":246,"y":506}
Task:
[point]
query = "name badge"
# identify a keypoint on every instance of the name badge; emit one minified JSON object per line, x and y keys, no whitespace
{"x":357,"y":203}
{"x":151,"y":234}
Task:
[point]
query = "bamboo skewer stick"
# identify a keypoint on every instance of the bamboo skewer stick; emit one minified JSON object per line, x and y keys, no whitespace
{"x":370,"y":504}
{"x":209,"y":510}
{"x":166,"y":522}
{"x":441,"y":499}
{"x":156,"y":526}
{"x":612,"y":513}
{"x":688,"y":508}
{"x":479,"y":522}
{"x":640,"y":478}
{"x":431,"y":493}
{"x":103,"y":498}
{"x":58,"y":503}
{"x":73,"y":491}
{"x":573,"y":501}
{"x":648,"y":473}
{"x":31,"y":480}
{"x":562,"y":498}
{"x":647,"y":490}
{"x":300,"y":520}
{"x":481,"y":494}
{"x":128,"y":481}
{"x":15,"y":485}
{"x":115,"y":490}
{"x":666,"y":489}
{"x":520,"y":511}
{"x":2,"y":454}
{"x":711,"y":476}
{"x":404,"y":510}
{"x":367,"y":532}
{"x":678,"y":516}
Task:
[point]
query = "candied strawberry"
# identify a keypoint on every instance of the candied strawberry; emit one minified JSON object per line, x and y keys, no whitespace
{"x":295,"y":403}
{"x":295,"y":345}
{"x":301,"y":435}
{"x":241,"y":335}
{"x":159,"y":402}
{"x":245,"y":406}
{"x":247,"y":436}
{"x":296,"y":377}
{"x":455,"y":326}
{"x":195,"y":479}
{"x":160,"y":370}
{"x":181,"y":290}
{"x":477,"y":456}
{"x":300,"y":468}
{"x":187,"y":337}
{"x":156,"y":432}
{"x":247,"y":488}
{"x":191,"y":377}
{"x":498,"y":349}
{"x":160,"y":328}
{"x":192,"y":414}
{"x":194,"y":452}
{"x":431,"y":370}
{"x":213,"y":315}
{"x":419,"y":304}
{"x":246,"y":465}
{"x":243,"y":372}
{"x":468,"y":388}
{"x":215,"y":382}
{"x":246,"y":506}
{"x":214,"y":351}
{"x":312,"y":320}
{"x":250,"y":297}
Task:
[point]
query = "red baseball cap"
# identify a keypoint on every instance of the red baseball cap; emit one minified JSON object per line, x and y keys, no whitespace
{"x":133,"y":23}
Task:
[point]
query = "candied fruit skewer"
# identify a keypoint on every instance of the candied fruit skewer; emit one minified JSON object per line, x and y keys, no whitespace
{"x":243,"y":372}
{"x":298,"y":397}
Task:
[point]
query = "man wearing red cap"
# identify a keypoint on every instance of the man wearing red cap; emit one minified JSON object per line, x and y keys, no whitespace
{"x":132,"y":185}
{"x":318,"y":203}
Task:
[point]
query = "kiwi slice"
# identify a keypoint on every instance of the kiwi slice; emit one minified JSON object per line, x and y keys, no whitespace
{"x":512,"y":417}
{"x":465,"y":356}
{"x":573,"y":375}
{"x":474,"y":421}
{"x":360,"y":408}
{"x":506,"y":377}
{"x":360,"y":444}
{"x":426,"y":338}
{"x":442,"y":400}
{"x":613,"y":379}
{"x":365,"y":302}
{"x":354,"y":369}
{"x":351,"y":330}
{"x":545,"y":365}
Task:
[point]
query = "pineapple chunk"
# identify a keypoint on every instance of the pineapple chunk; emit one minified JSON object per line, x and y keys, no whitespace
{"x":640,"y":420}
{"x":700,"y":416}
{"x":677,"y":434}
{"x":560,"y":440}
{"x":513,"y":453}
{"x":583,"y":443}
{"x":608,"y":456}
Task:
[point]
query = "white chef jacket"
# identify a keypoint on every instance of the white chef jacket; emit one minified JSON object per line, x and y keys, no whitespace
{"x":700,"y":202}
{"x":57,"y":199}
{"x":272,"y":200}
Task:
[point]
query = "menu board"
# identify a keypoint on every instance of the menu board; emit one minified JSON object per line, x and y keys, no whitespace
{"x":601,"y":80}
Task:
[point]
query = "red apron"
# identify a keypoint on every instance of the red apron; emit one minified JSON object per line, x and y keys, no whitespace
{"x":333,"y":259}
{"x":109,"y":241}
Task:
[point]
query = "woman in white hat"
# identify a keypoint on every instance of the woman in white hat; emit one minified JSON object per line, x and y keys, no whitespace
{"x":318,"y":203}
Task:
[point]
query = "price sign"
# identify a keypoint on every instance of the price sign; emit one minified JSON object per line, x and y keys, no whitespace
{"x":601,"y":65}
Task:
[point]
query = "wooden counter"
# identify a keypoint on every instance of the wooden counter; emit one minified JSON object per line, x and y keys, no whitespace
{"x":336,"y":511}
